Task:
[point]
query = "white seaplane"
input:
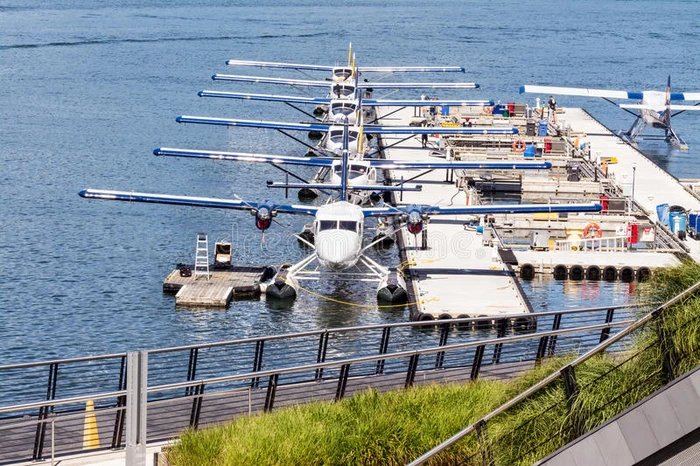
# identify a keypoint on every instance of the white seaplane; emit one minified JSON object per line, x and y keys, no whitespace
{"x":338,"y":229}
{"x":654,"y":107}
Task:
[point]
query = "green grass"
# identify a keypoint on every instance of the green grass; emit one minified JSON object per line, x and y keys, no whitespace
{"x":397,"y":427}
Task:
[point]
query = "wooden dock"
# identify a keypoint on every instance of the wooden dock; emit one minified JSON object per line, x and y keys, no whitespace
{"x":218,"y":290}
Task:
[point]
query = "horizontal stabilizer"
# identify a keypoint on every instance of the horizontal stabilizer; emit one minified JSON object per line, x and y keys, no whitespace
{"x":357,"y":187}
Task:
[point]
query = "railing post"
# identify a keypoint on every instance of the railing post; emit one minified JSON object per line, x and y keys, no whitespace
{"x":191,"y":370}
{"x":411,"y":371}
{"x":501,"y":327}
{"x":668,"y":354}
{"x":440,"y":356}
{"x":383,"y":348}
{"x":572,"y":392}
{"x":197,"y":392}
{"x":483,"y":441}
{"x":322,"y":351}
{"x":271,"y":392}
{"x":476,"y":365}
{"x":136,"y":409}
{"x":342,"y":382}
{"x":121,"y":410}
{"x":553,"y":340}
{"x":257,"y":362}
{"x":44,"y":413}
{"x":605,"y":333}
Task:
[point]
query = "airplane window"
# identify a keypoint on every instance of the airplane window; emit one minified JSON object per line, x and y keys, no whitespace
{"x":348,"y":225}
{"x":327,"y":225}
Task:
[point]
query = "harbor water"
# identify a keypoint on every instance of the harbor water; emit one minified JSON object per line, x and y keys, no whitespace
{"x":90,"y":89}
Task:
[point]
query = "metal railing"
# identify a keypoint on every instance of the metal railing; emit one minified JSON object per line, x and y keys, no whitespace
{"x":192,"y":386}
{"x":667,"y":371}
{"x":602,"y":244}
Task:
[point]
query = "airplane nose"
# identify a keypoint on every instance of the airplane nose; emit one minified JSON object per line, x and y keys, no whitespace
{"x":337,"y":248}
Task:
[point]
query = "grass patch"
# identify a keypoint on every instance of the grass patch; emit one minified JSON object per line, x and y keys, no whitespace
{"x":396,"y":427}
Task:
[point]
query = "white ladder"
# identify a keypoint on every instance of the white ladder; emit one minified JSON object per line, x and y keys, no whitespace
{"x":201,"y":258}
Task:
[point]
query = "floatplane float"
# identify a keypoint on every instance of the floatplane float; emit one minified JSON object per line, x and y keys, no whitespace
{"x":654,"y":107}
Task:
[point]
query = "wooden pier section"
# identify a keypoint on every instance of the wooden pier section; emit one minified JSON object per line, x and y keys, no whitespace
{"x":222,"y":286}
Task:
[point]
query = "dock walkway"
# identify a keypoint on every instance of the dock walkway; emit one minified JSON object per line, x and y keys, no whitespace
{"x":639,"y":177}
{"x":458,"y":274}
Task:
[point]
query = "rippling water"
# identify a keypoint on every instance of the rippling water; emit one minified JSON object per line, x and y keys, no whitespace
{"x":88,"y":92}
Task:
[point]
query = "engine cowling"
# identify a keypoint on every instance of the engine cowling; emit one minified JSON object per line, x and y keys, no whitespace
{"x":263,"y":217}
{"x":415,"y":222}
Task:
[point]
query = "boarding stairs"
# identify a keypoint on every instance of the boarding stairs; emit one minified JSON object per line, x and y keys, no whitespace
{"x":201,"y":257}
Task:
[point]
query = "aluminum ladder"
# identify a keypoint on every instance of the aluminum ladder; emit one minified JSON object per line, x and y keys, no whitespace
{"x":201,"y":257}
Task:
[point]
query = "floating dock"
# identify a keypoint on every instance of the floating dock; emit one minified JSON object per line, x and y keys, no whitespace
{"x":468,"y":267}
{"x":217,"y":290}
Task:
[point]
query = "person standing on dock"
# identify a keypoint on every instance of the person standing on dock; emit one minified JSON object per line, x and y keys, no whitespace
{"x":552,"y":104}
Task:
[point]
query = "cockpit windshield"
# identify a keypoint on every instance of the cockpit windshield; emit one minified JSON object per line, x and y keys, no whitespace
{"x":348,"y":225}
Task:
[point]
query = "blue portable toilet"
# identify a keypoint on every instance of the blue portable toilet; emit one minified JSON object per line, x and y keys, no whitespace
{"x":445,"y":110}
{"x":694,"y":223}
{"x":544,"y":125}
{"x":662,"y":213}
{"x":529,"y":151}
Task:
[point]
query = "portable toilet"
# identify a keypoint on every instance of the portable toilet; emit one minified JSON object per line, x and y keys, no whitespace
{"x":544,"y":125}
{"x":529,"y":151}
{"x":694,"y":224}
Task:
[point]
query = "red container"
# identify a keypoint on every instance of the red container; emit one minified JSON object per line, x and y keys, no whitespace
{"x":604,"y":202}
{"x":633,"y":233}
{"x":511,"y":108}
{"x":547,"y":146}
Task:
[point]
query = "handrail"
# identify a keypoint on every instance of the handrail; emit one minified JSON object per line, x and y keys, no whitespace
{"x":312,"y":367}
{"x":555,"y":375}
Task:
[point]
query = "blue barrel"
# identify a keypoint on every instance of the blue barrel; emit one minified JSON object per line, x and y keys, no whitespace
{"x":529,"y":151}
{"x":544,"y":124}
{"x":662,"y":213}
{"x":498,"y":109}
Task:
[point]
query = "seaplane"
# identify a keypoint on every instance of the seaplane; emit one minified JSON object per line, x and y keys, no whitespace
{"x":654,"y":108}
{"x":345,"y":139}
{"x":338,"y":228}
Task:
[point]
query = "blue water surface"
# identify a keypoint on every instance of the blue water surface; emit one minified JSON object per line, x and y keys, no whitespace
{"x":88,"y":89}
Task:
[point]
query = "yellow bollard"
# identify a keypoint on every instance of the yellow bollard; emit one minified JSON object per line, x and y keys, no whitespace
{"x":91,"y":437}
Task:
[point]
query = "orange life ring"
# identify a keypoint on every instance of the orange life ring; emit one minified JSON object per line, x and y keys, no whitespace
{"x":487,"y":110}
{"x":518,"y":145}
{"x":592,"y":230}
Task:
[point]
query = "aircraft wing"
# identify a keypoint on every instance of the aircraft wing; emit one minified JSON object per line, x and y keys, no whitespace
{"x":671,"y":107}
{"x":424,"y":103}
{"x":266,"y":97}
{"x":482,"y":209}
{"x":418,"y":69}
{"x":192,"y":201}
{"x":685,"y":96}
{"x":430,"y":165}
{"x":254,"y":124}
{"x":245,"y":157}
{"x":380,"y":85}
{"x":376,"y":129}
{"x":263,"y":79}
{"x":280,"y":65}
{"x":610,"y":94}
